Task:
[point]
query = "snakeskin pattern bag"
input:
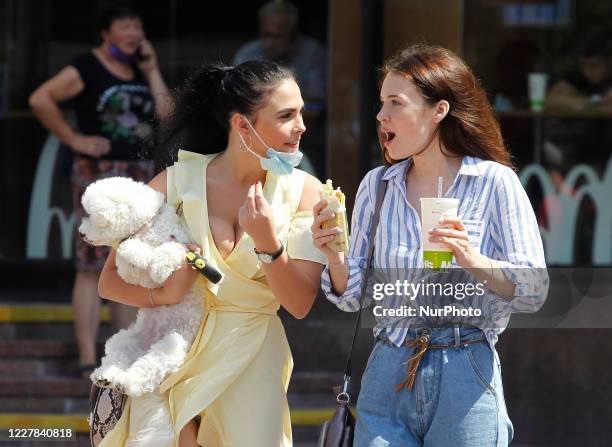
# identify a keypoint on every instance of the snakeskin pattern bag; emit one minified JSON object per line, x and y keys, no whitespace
{"x":105,"y":406}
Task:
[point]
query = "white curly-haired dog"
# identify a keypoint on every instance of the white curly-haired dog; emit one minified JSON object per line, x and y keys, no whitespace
{"x":149,"y":239}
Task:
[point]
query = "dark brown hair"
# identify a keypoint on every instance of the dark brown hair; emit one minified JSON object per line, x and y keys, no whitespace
{"x":116,"y":12}
{"x":207,"y":99}
{"x":470,"y":128}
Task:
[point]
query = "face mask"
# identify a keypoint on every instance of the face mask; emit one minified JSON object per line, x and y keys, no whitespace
{"x":280,"y":163}
{"x":121,"y":55}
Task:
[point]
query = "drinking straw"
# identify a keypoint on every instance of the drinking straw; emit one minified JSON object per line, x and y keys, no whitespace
{"x":440,"y":187}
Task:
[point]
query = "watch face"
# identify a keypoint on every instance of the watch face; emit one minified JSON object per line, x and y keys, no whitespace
{"x":264,"y":257}
{"x":267,"y":257}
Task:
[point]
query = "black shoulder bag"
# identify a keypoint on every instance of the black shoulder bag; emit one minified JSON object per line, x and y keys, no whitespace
{"x":340,"y":429}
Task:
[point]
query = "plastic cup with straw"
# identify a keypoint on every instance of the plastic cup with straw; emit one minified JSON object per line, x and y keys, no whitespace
{"x":436,"y":255}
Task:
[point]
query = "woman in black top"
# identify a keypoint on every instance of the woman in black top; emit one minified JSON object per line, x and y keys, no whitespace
{"x":117,"y":88}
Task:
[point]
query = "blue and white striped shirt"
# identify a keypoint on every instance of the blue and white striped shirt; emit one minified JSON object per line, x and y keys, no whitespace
{"x":500,"y":221}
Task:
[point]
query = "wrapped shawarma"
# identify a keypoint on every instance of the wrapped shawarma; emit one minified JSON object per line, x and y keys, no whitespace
{"x":336,"y":203}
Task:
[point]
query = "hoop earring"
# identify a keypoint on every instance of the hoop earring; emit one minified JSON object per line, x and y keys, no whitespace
{"x":243,"y":144}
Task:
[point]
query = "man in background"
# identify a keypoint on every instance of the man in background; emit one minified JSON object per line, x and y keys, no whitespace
{"x":280,"y":41}
{"x":590,"y":84}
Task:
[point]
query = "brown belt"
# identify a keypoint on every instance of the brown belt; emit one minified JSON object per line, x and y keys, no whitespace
{"x":421,"y":344}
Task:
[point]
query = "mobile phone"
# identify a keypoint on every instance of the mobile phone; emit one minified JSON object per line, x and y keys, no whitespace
{"x":139,"y":56}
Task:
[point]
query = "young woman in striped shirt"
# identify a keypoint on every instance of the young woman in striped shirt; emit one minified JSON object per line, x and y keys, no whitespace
{"x":435,"y":121}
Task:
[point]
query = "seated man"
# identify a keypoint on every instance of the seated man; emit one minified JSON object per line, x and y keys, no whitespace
{"x":591,"y":85}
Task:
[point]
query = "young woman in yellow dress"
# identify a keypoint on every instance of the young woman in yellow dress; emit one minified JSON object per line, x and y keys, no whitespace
{"x":250,"y":212}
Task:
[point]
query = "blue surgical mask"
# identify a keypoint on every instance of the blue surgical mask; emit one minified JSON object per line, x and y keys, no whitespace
{"x":278,"y":162}
{"x":121,"y":55}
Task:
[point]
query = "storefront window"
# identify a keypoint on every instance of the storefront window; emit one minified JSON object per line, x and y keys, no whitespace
{"x":547,"y":65}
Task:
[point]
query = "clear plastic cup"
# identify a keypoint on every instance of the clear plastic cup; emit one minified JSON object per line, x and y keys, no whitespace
{"x":436,"y":255}
{"x":537,"y":90}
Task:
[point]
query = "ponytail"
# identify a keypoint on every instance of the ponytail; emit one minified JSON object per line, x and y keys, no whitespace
{"x":193,"y":124}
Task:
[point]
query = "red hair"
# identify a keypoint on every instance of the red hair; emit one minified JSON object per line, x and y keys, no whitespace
{"x":470,"y":128}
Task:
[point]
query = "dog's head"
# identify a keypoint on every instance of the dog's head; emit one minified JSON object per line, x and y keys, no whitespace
{"x":117,"y":207}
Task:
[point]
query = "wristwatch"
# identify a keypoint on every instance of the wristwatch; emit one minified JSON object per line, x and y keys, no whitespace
{"x":267,"y":258}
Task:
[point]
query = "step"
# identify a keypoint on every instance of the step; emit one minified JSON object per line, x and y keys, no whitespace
{"x":37,"y":367}
{"x":306,"y":382}
{"x":44,"y":322}
{"x":42,"y":313}
{"x":58,"y":386}
{"x":37,"y":404}
{"x":47,"y":387}
{"x":46,"y":331}
{"x":16,"y":312}
{"x":37,"y":348}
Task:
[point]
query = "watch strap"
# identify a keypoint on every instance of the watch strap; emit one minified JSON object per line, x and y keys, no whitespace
{"x":274,"y":255}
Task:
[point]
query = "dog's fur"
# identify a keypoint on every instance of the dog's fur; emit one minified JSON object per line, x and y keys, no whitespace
{"x":149,"y":239}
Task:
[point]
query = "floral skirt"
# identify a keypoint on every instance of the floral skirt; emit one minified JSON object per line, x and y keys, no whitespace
{"x":84,"y":172}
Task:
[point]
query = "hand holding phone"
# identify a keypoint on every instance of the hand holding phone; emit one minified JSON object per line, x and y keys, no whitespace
{"x":145,"y":56}
{"x":140,"y":56}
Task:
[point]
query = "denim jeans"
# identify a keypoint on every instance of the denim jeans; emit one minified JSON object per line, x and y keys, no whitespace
{"x":457,"y":399}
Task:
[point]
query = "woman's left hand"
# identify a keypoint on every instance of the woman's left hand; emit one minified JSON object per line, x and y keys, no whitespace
{"x":148,"y":61}
{"x":453,"y":234}
{"x":256,"y":218}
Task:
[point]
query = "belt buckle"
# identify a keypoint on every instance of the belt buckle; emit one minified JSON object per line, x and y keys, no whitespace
{"x":457,"y":336}
{"x":423,"y":335}
{"x":422,"y":331}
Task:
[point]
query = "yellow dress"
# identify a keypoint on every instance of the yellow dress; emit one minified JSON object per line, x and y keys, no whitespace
{"x":237,"y":371}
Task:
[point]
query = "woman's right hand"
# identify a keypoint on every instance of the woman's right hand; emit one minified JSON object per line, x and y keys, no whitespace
{"x":188,"y":273}
{"x":91,"y":145}
{"x":321,"y":237}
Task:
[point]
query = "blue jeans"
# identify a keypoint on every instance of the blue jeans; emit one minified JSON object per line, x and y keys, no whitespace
{"x":457,"y":399}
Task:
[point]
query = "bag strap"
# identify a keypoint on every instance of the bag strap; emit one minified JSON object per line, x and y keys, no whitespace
{"x":344,"y":397}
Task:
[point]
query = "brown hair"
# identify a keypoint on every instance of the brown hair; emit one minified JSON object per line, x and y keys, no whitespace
{"x":470,"y":128}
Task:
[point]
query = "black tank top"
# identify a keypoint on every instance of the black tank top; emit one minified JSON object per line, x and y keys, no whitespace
{"x":119,"y":110}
